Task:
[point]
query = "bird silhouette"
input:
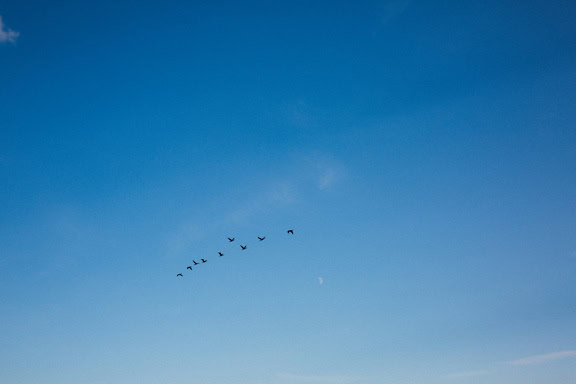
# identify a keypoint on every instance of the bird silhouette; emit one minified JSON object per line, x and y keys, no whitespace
{"x":243,"y":247}
{"x":204,"y":260}
{"x":179,"y":275}
{"x":195,"y":263}
{"x":189,"y":267}
{"x":220,"y":254}
{"x":291,"y":231}
{"x":261,"y":238}
{"x":231,"y":239}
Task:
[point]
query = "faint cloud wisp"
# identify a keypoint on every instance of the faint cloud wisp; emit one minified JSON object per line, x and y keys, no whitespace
{"x":7,"y":35}
{"x":526,"y":361}
{"x":327,"y":179}
{"x":328,"y":172}
{"x":276,"y":195}
{"x":539,"y":359}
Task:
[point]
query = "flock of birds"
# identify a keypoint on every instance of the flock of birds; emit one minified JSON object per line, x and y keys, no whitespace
{"x":220,"y":254}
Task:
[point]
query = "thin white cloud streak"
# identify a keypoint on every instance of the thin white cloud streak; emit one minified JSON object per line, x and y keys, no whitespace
{"x":525,"y":361}
{"x":327,"y":178}
{"x":7,"y":35}
{"x":539,"y":359}
{"x":184,"y":237}
{"x":272,"y":197}
{"x":325,"y":174}
{"x":311,"y":172}
{"x":328,"y":172}
{"x":277,"y":195}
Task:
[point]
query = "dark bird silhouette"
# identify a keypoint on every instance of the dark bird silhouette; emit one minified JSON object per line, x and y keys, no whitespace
{"x":291,"y":231}
{"x":204,"y":260}
{"x":231,"y":239}
{"x":220,"y":254}
{"x":189,"y":267}
{"x":261,"y":238}
{"x":179,"y":275}
{"x":195,"y":263}
{"x":243,"y":247}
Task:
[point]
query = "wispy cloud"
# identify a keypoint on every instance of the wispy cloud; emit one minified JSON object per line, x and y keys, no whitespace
{"x":297,"y":183}
{"x":327,"y":171}
{"x":269,"y":198}
{"x":273,"y":196}
{"x":539,"y":359}
{"x":7,"y":35}
{"x":184,"y":237}
{"x":525,"y":361}
{"x":457,"y":375}
{"x":327,"y":178}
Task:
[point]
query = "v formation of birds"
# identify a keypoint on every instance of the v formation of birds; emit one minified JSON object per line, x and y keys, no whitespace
{"x":220,"y":254}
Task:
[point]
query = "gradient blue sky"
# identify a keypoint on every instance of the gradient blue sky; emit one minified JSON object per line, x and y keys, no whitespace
{"x":423,"y":151}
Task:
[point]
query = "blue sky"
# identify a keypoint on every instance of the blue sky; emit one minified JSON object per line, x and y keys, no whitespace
{"x":424,"y":153}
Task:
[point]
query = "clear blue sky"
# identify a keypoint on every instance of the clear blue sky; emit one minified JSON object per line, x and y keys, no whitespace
{"x":423,"y":151}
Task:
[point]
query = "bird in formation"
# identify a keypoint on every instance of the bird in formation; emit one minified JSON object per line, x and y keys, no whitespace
{"x":230,"y":239}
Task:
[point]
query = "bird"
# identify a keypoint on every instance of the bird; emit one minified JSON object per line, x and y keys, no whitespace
{"x":261,"y":238}
{"x":179,"y":275}
{"x":243,"y":247}
{"x":291,"y":231}
{"x":195,"y":263}
{"x":231,"y":239}
{"x":189,"y":267}
{"x":204,"y":260}
{"x":220,"y":254}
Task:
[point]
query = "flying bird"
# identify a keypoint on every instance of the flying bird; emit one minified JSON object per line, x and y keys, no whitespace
{"x":291,"y":231}
{"x":243,"y":247}
{"x":195,"y":263}
{"x":261,"y":238}
{"x":231,"y":239}
{"x":220,"y":254}
{"x":179,"y":275}
{"x":189,"y":267}
{"x":204,"y":260}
